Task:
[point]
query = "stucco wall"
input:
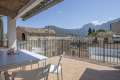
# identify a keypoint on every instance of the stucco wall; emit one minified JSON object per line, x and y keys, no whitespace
{"x":116,"y":27}
{"x":19,"y":32}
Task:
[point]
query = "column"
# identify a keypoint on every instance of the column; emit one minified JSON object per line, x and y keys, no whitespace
{"x":12,"y":33}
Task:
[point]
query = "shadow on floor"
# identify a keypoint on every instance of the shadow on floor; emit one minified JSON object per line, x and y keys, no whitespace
{"x":92,"y":74}
{"x":35,"y":74}
{"x":116,"y":67}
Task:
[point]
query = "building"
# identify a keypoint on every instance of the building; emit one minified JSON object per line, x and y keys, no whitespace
{"x":116,"y":30}
{"x":28,"y":33}
{"x":105,"y":36}
{"x":41,"y":40}
{"x":115,"y":27}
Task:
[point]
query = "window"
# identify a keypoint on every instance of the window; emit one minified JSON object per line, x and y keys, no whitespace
{"x":23,"y":36}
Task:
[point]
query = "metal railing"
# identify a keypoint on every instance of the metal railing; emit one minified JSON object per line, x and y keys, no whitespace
{"x":4,"y":43}
{"x":100,"y":50}
{"x":45,"y":47}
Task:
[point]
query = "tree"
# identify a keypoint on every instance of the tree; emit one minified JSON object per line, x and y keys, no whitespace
{"x":89,"y":31}
{"x":1,"y":30}
{"x":101,"y":30}
{"x":93,"y":30}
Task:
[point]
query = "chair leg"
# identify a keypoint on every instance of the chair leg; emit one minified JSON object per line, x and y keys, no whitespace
{"x":57,"y":75}
{"x":6,"y":75}
{"x":0,"y":75}
{"x":47,"y":77}
{"x":61,"y":73}
{"x":13,"y":76}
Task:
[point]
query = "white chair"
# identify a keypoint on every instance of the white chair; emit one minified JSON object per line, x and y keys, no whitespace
{"x":57,"y":68}
{"x":37,"y":74}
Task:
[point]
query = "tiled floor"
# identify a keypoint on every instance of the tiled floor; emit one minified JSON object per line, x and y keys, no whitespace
{"x":80,"y":70}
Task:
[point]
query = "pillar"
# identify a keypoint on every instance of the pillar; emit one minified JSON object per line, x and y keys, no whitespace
{"x":12,"y":33}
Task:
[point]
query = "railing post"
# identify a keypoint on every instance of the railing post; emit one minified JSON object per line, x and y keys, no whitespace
{"x":79,"y":49}
{"x":103,"y":51}
{"x":45,"y":47}
{"x":62,"y":47}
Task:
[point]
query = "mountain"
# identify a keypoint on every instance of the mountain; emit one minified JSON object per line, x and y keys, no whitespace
{"x":105,"y":26}
{"x":82,"y":31}
{"x":64,"y":32}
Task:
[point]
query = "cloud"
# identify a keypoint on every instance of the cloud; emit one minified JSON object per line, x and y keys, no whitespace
{"x":97,"y":22}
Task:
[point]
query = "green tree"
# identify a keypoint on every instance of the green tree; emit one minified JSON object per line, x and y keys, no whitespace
{"x":89,"y":31}
{"x":93,"y":30}
{"x":101,"y":30}
{"x":1,"y":30}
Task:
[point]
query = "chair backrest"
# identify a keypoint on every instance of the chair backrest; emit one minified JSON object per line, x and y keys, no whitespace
{"x":60,"y":60}
{"x":43,"y":72}
{"x":61,"y":56}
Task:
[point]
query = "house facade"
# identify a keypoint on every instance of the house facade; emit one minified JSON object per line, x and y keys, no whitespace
{"x":41,"y":40}
{"x":115,"y":27}
{"x":27,"y":33}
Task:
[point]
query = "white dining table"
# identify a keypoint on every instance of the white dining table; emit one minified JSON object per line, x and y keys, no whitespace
{"x":21,"y":58}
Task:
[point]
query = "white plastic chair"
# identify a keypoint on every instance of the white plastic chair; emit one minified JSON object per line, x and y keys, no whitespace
{"x":57,"y":68}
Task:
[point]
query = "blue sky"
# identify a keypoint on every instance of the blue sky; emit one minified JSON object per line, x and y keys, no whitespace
{"x":74,"y":13}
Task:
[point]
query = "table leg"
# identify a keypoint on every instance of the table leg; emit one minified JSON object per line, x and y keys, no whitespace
{"x":7,"y":76}
{"x":13,"y":76}
{"x":0,"y":76}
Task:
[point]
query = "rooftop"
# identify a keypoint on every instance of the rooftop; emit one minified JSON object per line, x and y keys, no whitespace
{"x":36,"y":30}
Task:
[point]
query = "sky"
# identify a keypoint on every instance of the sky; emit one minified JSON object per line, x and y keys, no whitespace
{"x":71,"y":14}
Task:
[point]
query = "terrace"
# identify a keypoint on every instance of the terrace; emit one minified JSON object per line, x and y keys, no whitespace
{"x":83,"y":60}
{"x":81,"y":70}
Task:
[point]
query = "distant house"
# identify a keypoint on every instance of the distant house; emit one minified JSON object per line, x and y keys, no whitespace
{"x":44,"y":39}
{"x":105,"y":36}
{"x":115,"y":27}
{"x":27,"y":33}
{"x":39,"y":40}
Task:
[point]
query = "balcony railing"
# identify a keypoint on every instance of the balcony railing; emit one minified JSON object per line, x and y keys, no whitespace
{"x":99,"y":51}
{"x":4,"y":43}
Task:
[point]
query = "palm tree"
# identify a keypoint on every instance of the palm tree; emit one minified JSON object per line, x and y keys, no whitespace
{"x":1,"y":31}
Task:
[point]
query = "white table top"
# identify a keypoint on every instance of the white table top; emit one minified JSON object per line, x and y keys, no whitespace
{"x":22,"y":57}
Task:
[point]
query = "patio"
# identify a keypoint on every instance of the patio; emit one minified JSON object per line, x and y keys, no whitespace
{"x":83,"y":70}
{"x":72,"y":69}
{"x":86,"y":71}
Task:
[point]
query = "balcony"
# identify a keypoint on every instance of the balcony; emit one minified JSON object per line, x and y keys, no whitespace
{"x":80,"y":70}
{"x":83,"y":60}
{"x":98,"y":52}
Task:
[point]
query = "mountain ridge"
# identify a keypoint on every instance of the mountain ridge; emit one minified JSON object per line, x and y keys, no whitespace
{"x":83,"y":31}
